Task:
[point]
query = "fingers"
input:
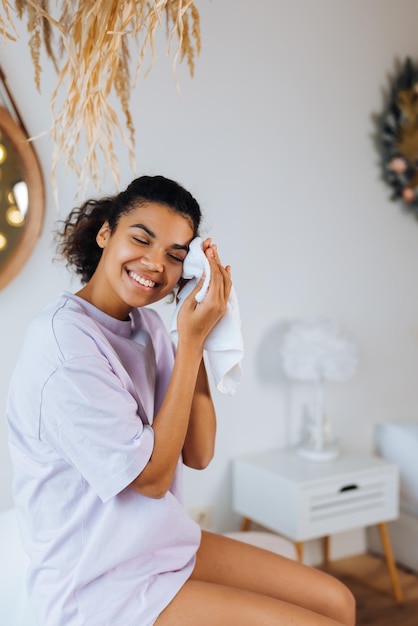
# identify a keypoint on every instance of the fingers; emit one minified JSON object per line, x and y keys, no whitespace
{"x":220,"y":277}
{"x":207,"y":243}
{"x":210,"y":249}
{"x":211,"y":252}
{"x":217,"y":269}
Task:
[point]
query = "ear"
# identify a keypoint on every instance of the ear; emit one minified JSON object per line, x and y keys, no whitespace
{"x":103,"y":235}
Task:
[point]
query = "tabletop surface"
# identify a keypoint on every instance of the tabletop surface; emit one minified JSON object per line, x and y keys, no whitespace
{"x":288,"y":464}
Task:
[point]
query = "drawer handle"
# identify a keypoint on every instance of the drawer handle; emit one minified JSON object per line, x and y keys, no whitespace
{"x":348,"y":488}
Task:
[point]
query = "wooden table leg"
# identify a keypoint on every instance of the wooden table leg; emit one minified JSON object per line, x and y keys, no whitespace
{"x":245,"y":524}
{"x":390,"y":561}
{"x":299,"y":550}
{"x":325,"y":550}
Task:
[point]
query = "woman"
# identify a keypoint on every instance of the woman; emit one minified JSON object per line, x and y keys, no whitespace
{"x":103,"y":413}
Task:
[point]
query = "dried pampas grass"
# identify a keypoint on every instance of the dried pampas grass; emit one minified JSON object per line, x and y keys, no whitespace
{"x":88,"y":43}
{"x":6,"y":19}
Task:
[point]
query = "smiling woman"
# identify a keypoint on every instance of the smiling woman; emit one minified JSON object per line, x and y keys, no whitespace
{"x":21,"y":197}
{"x":103,"y":413}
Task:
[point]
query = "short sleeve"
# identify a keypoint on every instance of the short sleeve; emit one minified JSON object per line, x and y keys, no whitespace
{"x":90,"y":419}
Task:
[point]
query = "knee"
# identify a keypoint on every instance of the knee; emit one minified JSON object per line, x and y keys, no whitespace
{"x":344,"y":604}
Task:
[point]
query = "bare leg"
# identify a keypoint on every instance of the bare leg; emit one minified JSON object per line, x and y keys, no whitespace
{"x":236,"y":581}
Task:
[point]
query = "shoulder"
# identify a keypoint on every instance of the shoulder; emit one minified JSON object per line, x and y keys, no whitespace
{"x":63,"y":308}
{"x":58,"y":334}
{"x":62,"y":327}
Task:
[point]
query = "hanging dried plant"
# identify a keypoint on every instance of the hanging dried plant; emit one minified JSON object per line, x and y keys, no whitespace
{"x":88,"y":43}
{"x":3,"y":25}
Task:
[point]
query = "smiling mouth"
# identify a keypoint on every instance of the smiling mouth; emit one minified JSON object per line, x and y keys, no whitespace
{"x":142,"y":281}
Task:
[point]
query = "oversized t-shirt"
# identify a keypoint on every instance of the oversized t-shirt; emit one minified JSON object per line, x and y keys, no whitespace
{"x":81,"y":404}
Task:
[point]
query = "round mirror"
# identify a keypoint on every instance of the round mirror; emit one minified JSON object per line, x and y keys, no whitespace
{"x":21,"y":198}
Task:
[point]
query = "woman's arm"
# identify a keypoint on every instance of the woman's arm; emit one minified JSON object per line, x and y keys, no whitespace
{"x":199,"y":444}
{"x":187,"y":400}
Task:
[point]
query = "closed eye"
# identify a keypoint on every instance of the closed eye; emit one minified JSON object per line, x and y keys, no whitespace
{"x":176,"y":258}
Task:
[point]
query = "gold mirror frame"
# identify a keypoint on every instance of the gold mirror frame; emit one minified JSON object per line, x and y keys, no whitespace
{"x":32,"y":176}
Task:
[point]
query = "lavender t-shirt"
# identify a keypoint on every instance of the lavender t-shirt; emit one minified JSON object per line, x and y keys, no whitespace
{"x":81,"y":404}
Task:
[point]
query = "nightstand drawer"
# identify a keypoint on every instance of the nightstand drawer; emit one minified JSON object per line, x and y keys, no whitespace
{"x":342,"y":505}
{"x":304,"y":500}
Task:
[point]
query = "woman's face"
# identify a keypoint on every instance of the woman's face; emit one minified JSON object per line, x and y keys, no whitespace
{"x":142,"y":260}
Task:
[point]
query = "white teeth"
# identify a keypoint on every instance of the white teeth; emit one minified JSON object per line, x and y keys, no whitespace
{"x":140,"y":280}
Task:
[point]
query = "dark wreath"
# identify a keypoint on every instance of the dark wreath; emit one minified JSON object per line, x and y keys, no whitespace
{"x":399,"y":137}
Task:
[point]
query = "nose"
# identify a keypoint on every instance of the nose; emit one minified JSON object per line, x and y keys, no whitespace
{"x":153,"y":260}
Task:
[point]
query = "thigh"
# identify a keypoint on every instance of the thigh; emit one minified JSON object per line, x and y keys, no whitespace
{"x":207,"y":604}
{"x":228,"y":562}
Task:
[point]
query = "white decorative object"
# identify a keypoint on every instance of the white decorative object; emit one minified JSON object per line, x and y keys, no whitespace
{"x":318,"y":350}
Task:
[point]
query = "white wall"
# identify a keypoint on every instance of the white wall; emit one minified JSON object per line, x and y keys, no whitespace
{"x":274,"y":137}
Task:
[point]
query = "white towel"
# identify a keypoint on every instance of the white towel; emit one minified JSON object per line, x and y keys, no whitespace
{"x":224,"y":345}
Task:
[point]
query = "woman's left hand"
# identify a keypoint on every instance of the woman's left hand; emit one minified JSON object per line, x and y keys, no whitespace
{"x":199,"y":318}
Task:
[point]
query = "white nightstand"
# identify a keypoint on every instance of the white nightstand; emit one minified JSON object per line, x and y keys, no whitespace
{"x":304,"y":500}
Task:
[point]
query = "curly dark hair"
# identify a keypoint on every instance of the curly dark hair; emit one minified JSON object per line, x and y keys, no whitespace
{"x":77,"y":237}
